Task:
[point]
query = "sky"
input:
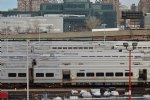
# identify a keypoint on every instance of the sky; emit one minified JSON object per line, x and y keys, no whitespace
{"x":9,"y":4}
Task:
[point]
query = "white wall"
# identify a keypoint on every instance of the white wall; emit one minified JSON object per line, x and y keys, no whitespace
{"x":147,"y":21}
{"x":30,"y":22}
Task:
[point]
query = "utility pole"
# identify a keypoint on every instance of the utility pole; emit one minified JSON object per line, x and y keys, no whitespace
{"x":27,"y":71}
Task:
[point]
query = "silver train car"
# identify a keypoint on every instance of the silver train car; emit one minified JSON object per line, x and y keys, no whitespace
{"x":74,"y":63}
{"x":76,"y":69}
{"x":76,"y":75}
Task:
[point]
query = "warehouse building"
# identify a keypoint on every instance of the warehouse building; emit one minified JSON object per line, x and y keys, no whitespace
{"x":18,"y":24}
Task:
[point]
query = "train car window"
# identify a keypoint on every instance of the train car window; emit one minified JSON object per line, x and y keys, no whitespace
{"x":80,"y":47}
{"x":59,"y":47}
{"x":54,"y":47}
{"x":128,"y":56}
{"x":99,"y":56}
{"x":135,"y":47}
{"x":11,"y":74}
{"x":123,"y":56}
{"x":144,"y":47}
{"x":90,"y":74}
{"x":139,"y":47}
{"x":74,"y":47}
{"x":107,"y":56}
{"x":69,"y":47}
{"x":138,"y":56}
{"x":21,"y":74}
{"x":114,"y":56}
{"x":85,"y":47}
{"x":127,"y":74}
{"x":64,"y":47}
{"x":84,"y":56}
{"x":109,"y":74}
{"x":82,"y":70}
{"x":90,"y":47}
{"x":49,"y":74}
{"x":80,"y":74}
{"x":99,"y":74}
{"x":148,"y":47}
{"x":39,"y":74}
{"x":118,"y":74}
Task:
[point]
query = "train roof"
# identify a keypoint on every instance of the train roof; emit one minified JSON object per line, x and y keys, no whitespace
{"x":141,"y":43}
{"x":102,"y":53}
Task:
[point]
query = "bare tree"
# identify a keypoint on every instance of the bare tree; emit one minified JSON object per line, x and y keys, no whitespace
{"x":8,"y":30}
{"x":17,"y":29}
{"x":49,"y":27}
{"x":36,"y":26}
{"x":28,"y":29}
{"x":3,"y":30}
{"x":92,"y":22}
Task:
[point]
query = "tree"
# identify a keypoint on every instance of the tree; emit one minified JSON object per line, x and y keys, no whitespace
{"x":49,"y":27}
{"x":36,"y":26}
{"x":17,"y":29}
{"x":28,"y":29}
{"x":92,"y":22}
{"x":3,"y":30}
{"x":8,"y":30}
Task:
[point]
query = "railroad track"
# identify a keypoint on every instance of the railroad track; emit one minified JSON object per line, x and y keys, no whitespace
{"x":18,"y":94}
{"x":134,"y":90}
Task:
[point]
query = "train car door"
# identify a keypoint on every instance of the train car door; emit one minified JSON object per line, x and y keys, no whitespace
{"x":66,"y":75}
{"x":143,"y":74}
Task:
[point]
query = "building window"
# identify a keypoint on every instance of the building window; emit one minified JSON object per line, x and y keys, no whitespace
{"x":49,"y":74}
{"x":39,"y":74}
{"x":80,"y":74}
{"x":99,"y":74}
{"x":21,"y":74}
{"x":90,"y":74}
{"x":127,"y":74}
{"x":109,"y":74}
{"x":118,"y":74}
{"x":11,"y":74}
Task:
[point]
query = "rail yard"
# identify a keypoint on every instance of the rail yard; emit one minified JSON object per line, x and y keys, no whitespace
{"x":51,"y":66}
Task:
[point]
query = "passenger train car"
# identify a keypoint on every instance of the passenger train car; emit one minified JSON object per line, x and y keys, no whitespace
{"x":100,"y":65}
{"x":141,"y":46}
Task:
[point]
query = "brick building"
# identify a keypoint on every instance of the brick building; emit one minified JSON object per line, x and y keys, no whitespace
{"x":30,"y":5}
{"x":144,"y":6}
